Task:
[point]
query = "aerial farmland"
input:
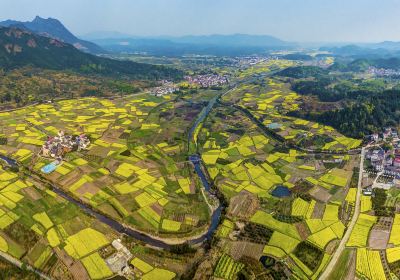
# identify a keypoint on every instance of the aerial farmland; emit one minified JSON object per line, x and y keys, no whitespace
{"x":199,"y":140}
{"x":280,"y":189}
{"x":143,"y":181}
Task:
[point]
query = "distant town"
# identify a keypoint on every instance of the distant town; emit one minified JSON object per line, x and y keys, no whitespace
{"x":382,"y":72}
{"x":200,"y":81}
{"x":209,"y":80}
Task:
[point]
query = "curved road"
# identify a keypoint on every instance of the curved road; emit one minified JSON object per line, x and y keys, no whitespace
{"x":336,"y":256}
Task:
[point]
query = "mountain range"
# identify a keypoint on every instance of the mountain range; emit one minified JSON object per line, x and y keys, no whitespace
{"x":20,"y":47}
{"x":53,"y":28}
{"x":214,"y":39}
{"x":102,"y":42}
{"x":235,"y":44}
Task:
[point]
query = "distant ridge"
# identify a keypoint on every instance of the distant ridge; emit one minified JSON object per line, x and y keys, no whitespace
{"x":55,"y":29}
{"x":233,"y":40}
{"x":235,"y":44}
{"x":19,"y":47}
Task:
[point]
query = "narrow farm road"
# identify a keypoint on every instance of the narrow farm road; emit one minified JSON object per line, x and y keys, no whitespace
{"x":19,"y":264}
{"x":329,"y":268}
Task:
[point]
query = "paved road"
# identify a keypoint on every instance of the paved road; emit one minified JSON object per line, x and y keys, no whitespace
{"x":342,"y":245}
{"x":18,"y":263}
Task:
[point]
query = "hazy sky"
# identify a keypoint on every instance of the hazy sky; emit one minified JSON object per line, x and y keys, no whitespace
{"x":293,"y":20}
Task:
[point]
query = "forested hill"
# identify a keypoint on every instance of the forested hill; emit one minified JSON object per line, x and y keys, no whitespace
{"x":370,"y":114}
{"x":53,"y":28}
{"x":20,"y":48}
{"x":365,"y":105}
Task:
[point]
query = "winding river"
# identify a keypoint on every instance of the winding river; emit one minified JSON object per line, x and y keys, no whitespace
{"x":119,"y":227}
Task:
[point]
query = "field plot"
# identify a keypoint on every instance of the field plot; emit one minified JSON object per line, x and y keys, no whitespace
{"x":395,"y":233}
{"x":96,"y":267}
{"x":266,"y":67}
{"x":369,"y":264}
{"x":227,"y":268}
{"x":359,"y":235}
{"x":45,"y":230}
{"x":393,"y":254}
{"x":243,"y":161}
{"x":38,"y":223}
{"x":324,"y":231}
{"x":135,"y":169}
{"x":272,"y":101}
{"x":85,"y":242}
{"x":240,"y":157}
{"x":147,"y":271}
{"x":268,"y":221}
{"x":366,"y":203}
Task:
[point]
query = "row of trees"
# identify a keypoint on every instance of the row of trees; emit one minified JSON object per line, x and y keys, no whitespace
{"x":378,"y":204}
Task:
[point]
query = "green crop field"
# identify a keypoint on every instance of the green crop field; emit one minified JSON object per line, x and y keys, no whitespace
{"x":227,"y":268}
{"x":96,"y":267}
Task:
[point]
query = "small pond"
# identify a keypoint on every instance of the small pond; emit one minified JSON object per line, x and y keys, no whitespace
{"x":49,"y":168}
{"x":281,"y":191}
{"x":267,"y":262}
{"x":274,"y":125}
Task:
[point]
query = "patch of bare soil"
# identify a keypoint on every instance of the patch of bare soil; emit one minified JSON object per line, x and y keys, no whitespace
{"x":351,"y":269}
{"x":331,"y":247}
{"x":87,"y":188}
{"x":243,"y":248}
{"x":380,"y":233}
{"x":70,"y":178}
{"x":75,"y":267}
{"x":318,"y":211}
{"x":303,"y":230}
{"x":32,"y":193}
{"x":320,"y":194}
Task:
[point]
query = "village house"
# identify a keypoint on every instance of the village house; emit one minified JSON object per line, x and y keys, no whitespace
{"x":376,"y":157}
{"x":165,"y":88}
{"x":374,"y":137}
{"x":392,"y":171}
{"x":57,"y":146}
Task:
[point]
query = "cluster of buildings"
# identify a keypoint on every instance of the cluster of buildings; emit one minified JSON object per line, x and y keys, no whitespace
{"x":166,"y":87}
{"x":119,"y":262}
{"x":252,"y":60}
{"x":381,"y":72}
{"x":209,"y":80}
{"x":57,"y":146}
{"x":385,"y":135}
{"x":376,"y":157}
{"x":387,"y":162}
